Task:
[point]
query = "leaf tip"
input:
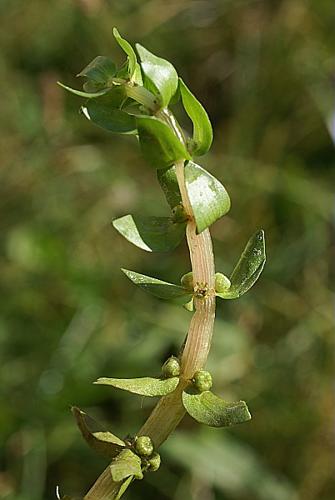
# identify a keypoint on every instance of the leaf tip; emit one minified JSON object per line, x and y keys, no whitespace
{"x":84,"y":111}
{"x":244,"y":412}
{"x":139,"y":48}
{"x":116,"y":33}
{"x":260,"y":234}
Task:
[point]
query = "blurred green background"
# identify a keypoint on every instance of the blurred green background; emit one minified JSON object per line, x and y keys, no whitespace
{"x":265,"y":71}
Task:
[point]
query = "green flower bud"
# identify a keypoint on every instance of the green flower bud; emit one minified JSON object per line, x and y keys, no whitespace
{"x":189,"y":306}
{"x":187,"y":281}
{"x":144,"y":446}
{"x":222,"y":283}
{"x":202,"y":380}
{"x":171,"y":367}
{"x":154,"y":462}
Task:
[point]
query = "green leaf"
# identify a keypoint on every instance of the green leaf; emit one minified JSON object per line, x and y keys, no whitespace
{"x":211,"y":410}
{"x":113,"y":120}
{"x":160,"y":72}
{"x":248,"y":268}
{"x":128,"y":49}
{"x":100,"y":70}
{"x":168,"y":181}
{"x":145,"y":386}
{"x":208,"y":197}
{"x":126,"y":464}
{"x":159,"y":288}
{"x":87,"y":95}
{"x":202,"y":128}
{"x":116,"y":98}
{"x":92,"y":87}
{"x":124,"y":487}
{"x":160,"y":146}
{"x":104,"y":443}
{"x":153,"y":234}
{"x":137,"y":76}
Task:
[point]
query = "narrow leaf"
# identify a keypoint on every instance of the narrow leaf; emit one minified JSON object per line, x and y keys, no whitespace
{"x":153,"y":234}
{"x":208,"y":197}
{"x":126,"y":464}
{"x":92,"y":87}
{"x":202,"y":128}
{"x":124,"y":487}
{"x":160,"y":72}
{"x":168,"y":181}
{"x":104,"y":443}
{"x":145,"y":386}
{"x":137,"y":76}
{"x":113,"y":120}
{"x":123,"y":74}
{"x":248,"y":268}
{"x":128,"y":49}
{"x":211,"y":410}
{"x":114,"y":99}
{"x":159,"y":288}
{"x":100,"y":70}
{"x":160,"y":146}
{"x":80,"y":93}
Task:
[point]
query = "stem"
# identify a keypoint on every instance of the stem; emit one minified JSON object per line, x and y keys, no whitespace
{"x":169,"y":410}
{"x":202,"y":259}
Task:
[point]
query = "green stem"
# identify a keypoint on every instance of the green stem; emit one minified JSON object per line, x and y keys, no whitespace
{"x":169,"y":410}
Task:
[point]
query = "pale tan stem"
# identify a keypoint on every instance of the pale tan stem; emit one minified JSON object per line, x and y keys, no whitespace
{"x":169,"y":411}
{"x":104,"y":488}
{"x":202,"y":259}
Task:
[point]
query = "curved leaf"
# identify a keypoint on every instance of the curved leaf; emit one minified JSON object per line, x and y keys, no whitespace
{"x":161,"y":289}
{"x":128,"y":49}
{"x":153,"y":234}
{"x":100,"y":70}
{"x":202,"y":128}
{"x":160,"y":72}
{"x":211,"y":410}
{"x":104,"y":443}
{"x":113,"y":120}
{"x":208,"y":197}
{"x":137,"y":76}
{"x":124,"y":487}
{"x":160,"y":146}
{"x":248,"y":268}
{"x":80,"y":93}
{"x":126,"y":464}
{"x":145,"y":386}
{"x":168,"y":181}
{"x":114,"y":99}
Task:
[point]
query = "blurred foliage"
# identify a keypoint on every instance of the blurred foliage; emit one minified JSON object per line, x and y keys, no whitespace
{"x":264,"y":70}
